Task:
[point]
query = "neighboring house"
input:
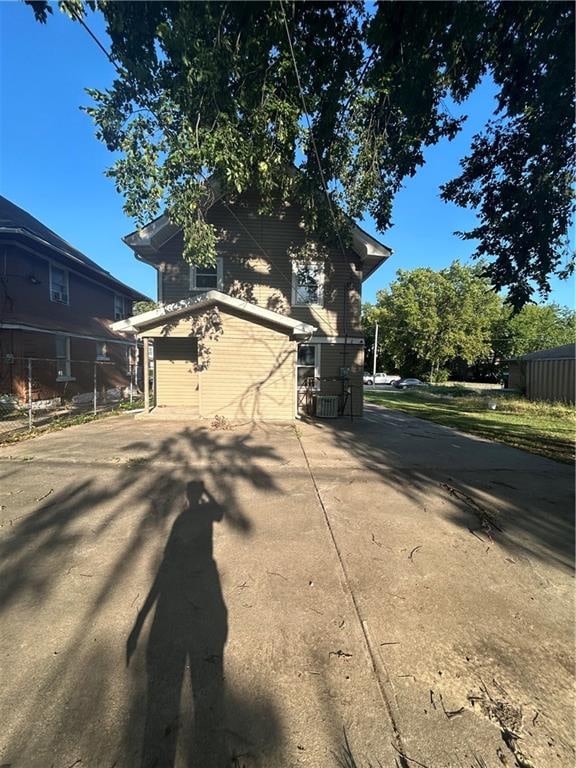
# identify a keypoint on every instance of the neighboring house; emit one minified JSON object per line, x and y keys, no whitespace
{"x":548,"y":374}
{"x":272,"y":330}
{"x":56,"y":310}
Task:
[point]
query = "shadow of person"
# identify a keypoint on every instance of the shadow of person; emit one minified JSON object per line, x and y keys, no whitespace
{"x":188,"y":633}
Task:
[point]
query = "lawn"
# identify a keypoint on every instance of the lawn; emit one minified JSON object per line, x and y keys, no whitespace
{"x":547,"y":429}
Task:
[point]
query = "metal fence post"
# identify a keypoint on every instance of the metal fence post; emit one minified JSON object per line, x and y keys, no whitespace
{"x":30,"y":394}
{"x":95,"y":388}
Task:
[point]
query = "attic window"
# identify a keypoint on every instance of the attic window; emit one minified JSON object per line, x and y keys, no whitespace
{"x":203,"y":278}
{"x":307,"y":283}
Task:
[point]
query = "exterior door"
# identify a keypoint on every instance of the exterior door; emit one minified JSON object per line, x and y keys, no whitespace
{"x":176,"y":374}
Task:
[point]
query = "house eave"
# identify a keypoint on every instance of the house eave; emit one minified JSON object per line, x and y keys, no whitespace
{"x":72,"y":262}
{"x":147,"y":241}
{"x":138,"y":323}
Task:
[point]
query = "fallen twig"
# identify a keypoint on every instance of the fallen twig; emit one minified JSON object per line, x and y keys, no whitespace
{"x":43,"y":497}
{"x":404,"y":756}
{"x":273,"y":573}
{"x":486,"y":518}
{"x":341,"y":654}
{"x":475,"y":534}
{"x":411,"y":555}
{"x":450,"y":713}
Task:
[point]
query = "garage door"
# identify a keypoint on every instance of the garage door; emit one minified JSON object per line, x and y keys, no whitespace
{"x":176,"y":376}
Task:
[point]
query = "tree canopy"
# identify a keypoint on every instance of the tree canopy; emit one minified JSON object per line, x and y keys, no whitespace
{"x":351,"y":95}
{"x":429,"y":318}
{"x":436,"y":323}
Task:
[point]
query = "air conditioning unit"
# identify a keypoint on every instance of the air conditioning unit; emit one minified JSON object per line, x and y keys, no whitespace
{"x":327,"y":406}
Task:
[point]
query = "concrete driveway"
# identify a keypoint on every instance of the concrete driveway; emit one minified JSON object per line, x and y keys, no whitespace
{"x":387,"y":592}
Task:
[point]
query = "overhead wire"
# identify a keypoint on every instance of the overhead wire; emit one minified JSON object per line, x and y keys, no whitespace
{"x":289,"y":280}
{"x":320,"y":169}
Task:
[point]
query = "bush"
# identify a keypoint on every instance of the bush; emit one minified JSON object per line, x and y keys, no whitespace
{"x":442,"y":375}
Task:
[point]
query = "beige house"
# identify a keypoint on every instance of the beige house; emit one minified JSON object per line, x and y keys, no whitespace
{"x":270,"y":332}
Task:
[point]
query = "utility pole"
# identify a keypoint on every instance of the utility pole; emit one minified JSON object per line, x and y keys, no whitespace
{"x":375,"y":350}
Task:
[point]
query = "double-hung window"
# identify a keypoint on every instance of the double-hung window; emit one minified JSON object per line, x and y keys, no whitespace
{"x":122,"y":307}
{"x":59,"y":284}
{"x":307,"y":283}
{"x":63,"y":368}
{"x":308,"y":366}
{"x":102,"y":351}
{"x":206,"y":278}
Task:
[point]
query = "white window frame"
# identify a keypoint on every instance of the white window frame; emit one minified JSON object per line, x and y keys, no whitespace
{"x":53,"y":291}
{"x":66,"y":373}
{"x":121,"y":301}
{"x":317,"y":351}
{"x":102,"y":351}
{"x":219,"y":276}
{"x":296,"y":299}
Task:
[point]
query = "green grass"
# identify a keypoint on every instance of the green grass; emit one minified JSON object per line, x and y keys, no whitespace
{"x":547,"y":429}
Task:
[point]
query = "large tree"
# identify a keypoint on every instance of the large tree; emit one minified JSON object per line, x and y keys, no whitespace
{"x":428,"y":319}
{"x":351,"y":94}
{"x":536,"y":326}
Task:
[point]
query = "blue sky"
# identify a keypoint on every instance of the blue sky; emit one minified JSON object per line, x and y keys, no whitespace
{"x":52,"y":165}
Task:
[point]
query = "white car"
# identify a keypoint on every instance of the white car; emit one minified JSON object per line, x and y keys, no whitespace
{"x":380,"y":378}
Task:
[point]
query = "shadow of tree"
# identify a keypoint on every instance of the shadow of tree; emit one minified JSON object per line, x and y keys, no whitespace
{"x":417,"y":457}
{"x":157,"y":514}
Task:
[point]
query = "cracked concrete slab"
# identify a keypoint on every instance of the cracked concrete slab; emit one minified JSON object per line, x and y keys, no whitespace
{"x":172,"y":595}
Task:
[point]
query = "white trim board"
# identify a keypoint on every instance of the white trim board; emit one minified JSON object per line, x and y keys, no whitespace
{"x":135,"y":324}
{"x":336,"y":340}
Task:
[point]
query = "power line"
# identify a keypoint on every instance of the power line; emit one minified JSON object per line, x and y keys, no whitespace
{"x":72,"y":10}
{"x":115,"y":64}
{"x":320,"y":169}
{"x":308,"y":121}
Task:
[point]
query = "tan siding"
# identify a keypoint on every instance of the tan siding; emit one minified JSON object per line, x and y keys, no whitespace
{"x":257,"y":267}
{"x":245,"y":368}
{"x":250,"y":373}
{"x":176,"y":375}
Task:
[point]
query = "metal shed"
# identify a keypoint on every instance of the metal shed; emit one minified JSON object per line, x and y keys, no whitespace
{"x":548,"y":374}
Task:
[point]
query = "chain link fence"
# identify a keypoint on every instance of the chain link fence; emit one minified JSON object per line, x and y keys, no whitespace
{"x":35,"y":391}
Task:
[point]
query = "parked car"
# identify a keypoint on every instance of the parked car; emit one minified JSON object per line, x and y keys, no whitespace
{"x":409,"y":383}
{"x":381,"y":378}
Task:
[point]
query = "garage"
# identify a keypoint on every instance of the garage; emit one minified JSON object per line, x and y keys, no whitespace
{"x":216,"y":355}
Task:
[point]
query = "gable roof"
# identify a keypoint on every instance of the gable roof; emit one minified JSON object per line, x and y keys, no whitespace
{"x":563,"y":352}
{"x":155,"y":316}
{"x":16,"y":221}
{"x":147,"y":240}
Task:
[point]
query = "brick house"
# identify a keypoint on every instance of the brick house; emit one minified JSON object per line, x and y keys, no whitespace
{"x":56,"y":311}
